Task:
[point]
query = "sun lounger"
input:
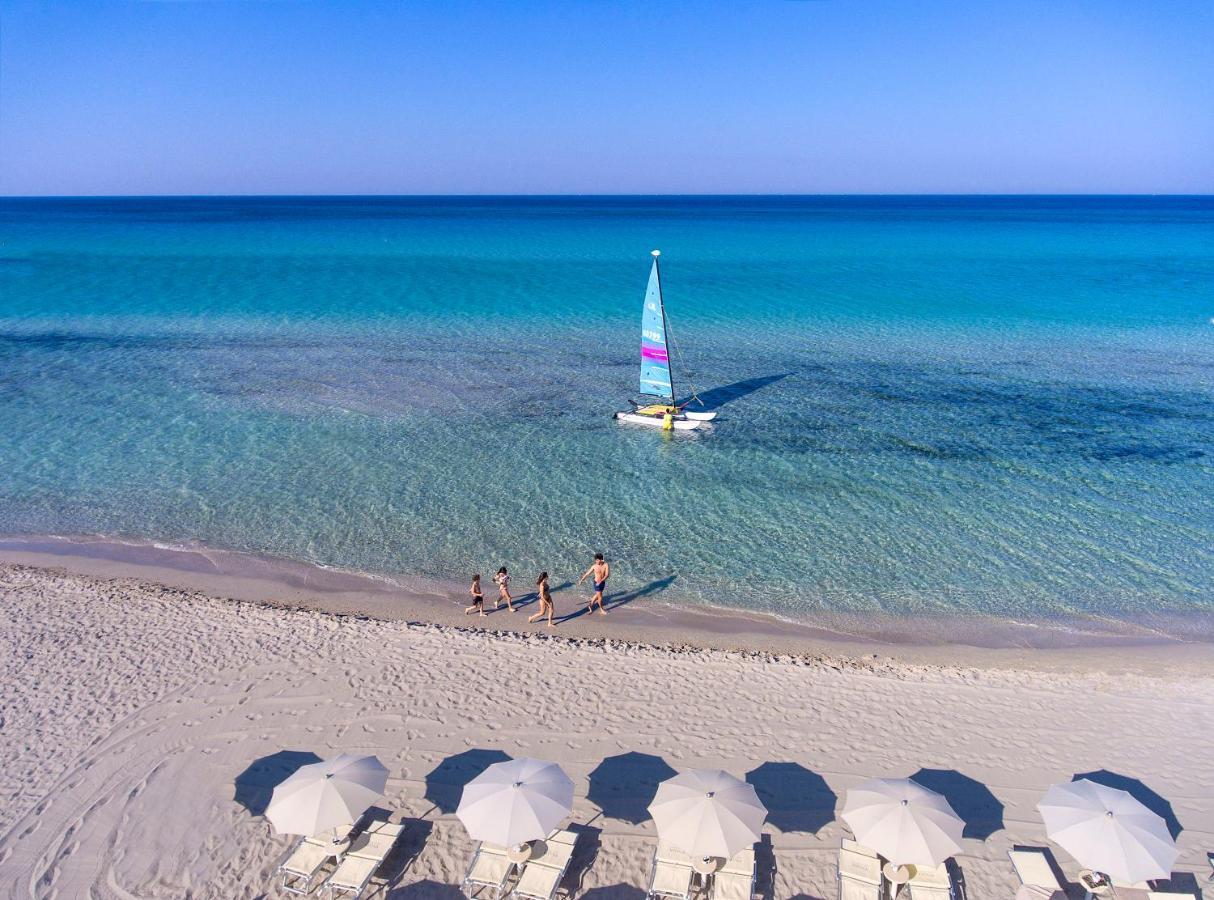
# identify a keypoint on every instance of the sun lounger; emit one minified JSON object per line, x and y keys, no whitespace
{"x":1169,"y":895}
{"x":302,"y":866}
{"x":489,"y":869}
{"x":363,"y":858}
{"x":736,"y":879}
{"x":351,"y":877}
{"x":931,"y":883}
{"x":671,"y":874}
{"x":1033,"y":868}
{"x":859,"y":872}
{"x":544,"y":871}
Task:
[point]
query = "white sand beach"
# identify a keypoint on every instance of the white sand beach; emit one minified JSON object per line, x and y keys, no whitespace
{"x":144,"y":725}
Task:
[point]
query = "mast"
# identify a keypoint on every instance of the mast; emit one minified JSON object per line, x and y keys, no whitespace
{"x":665,"y":331}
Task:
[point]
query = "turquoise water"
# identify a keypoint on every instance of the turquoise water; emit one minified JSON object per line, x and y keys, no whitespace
{"x":997,"y":405}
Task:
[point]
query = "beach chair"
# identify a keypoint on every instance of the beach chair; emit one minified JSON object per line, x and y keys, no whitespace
{"x":736,"y":879}
{"x":671,"y":875}
{"x":545,"y":870}
{"x":301,"y":866}
{"x":931,"y":883}
{"x":1169,"y":895}
{"x":859,"y":872}
{"x":1032,"y":865}
{"x":365,"y":855}
{"x":489,"y":869}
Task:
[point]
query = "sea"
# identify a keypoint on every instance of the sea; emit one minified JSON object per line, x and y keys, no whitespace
{"x":927,"y":406}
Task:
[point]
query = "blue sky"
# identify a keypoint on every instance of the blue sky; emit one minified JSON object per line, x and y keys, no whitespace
{"x":783,"y":96}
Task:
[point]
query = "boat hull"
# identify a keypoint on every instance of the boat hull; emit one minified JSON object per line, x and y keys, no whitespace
{"x":700,"y":416}
{"x":680,"y":423}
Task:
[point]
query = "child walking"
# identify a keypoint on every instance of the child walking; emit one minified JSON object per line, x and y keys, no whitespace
{"x":478,"y":599}
{"x":502,"y":580}
{"x":541,"y":588}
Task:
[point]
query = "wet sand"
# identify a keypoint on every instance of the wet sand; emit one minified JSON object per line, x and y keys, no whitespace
{"x":643,"y":616}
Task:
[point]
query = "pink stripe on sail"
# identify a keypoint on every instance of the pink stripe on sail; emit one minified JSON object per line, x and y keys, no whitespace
{"x":654,"y":353}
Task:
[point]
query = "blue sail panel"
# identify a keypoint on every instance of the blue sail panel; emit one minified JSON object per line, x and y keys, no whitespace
{"x":655,"y":360}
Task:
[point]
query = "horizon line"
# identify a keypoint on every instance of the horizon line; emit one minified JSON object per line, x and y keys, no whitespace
{"x":592,"y":195}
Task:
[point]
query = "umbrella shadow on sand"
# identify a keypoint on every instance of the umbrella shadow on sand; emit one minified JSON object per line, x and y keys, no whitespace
{"x":585,"y":852}
{"x":255,"y":785}
{"x":405,"y":854}
{"x":427,"y":889}
{"x":624,"y":785}
{"x":796,"y":798}
{"x":446,"y":781}
{"x":1139,"y":792}
{"x":972,"y":800}
{"x":615,"y":892}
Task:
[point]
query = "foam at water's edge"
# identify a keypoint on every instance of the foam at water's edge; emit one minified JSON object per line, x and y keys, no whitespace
{"x":415,"y":598}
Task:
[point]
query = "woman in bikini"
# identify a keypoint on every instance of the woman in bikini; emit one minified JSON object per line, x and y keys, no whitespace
{"x":546,"y":608}
{"x":502,"y":580}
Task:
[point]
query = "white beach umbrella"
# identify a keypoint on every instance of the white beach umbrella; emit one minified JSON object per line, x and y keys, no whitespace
{"x":1107,"y":830}
{"x":325,"y":795}
{"x":707,"y":812}
{"x":903,"y":821}
{"x":515,"y":801}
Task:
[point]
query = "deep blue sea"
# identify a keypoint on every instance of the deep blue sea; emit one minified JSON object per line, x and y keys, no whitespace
{"x":935,"y":404}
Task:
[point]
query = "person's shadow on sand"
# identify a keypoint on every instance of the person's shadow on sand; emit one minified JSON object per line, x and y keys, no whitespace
{"x":531,"y":598}
{"x":614,"y":601}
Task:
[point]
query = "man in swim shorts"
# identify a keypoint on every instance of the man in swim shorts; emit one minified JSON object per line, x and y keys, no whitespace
{"x":601,"y":572}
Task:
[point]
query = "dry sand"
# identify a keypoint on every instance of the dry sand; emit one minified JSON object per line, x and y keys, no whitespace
{"x":143,"y":726}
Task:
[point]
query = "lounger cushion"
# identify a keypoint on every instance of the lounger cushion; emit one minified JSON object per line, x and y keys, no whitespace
{"x":551,"y":854}
{"x":306,"y":859}
{"x":741,"y":863}
{"x":858,"y":890}
{"x":352,"y":873}
{"x":931,"y":876}
{"x":1033,"y":867}
{"x":851,"y":845}
{"x":538,"y":881}
{"x":392,"y":829}
{"x":489,"y":868}
{"x":671,"y":880}
{"x":562,"y":837}
{"x":1037,"y":892}
{"x":928,"y":891}
{"x":669,"y":854}
{"x":728,"y":886}
{"x":372,"y":846}
{"x":859,"y":867}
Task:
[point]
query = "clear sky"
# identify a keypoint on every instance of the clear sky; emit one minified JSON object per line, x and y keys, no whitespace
{"x":579,"y":96}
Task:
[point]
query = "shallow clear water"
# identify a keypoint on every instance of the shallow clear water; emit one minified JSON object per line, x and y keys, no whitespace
{"x":999,"y":405}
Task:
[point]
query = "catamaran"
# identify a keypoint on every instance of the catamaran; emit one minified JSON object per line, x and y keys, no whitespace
{"x":656,"y":377}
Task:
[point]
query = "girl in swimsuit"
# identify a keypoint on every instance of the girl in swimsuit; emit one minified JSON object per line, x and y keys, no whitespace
{"x":478,"y":599}
{"x":541,"y":587}
{"x":502,"y":580}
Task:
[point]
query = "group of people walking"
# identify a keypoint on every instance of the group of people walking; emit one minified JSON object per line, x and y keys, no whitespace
{"x":600,"y":570}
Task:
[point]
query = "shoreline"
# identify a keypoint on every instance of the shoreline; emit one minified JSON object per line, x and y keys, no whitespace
{"x":978,"y":641}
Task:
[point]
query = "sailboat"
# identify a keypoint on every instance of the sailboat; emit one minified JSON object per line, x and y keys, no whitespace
{"x":657,"y":379}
